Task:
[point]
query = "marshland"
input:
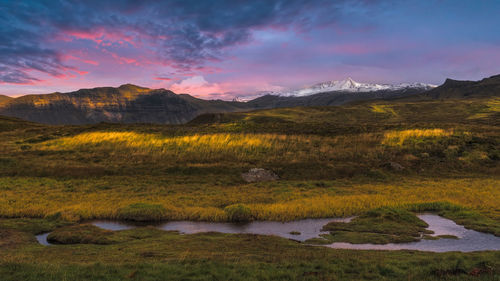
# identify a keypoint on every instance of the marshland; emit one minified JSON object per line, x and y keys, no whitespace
{"x":400,"y":158}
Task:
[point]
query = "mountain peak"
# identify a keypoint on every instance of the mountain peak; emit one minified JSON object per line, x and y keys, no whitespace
{"x":129,"y":86}
{"x":349,"y":85}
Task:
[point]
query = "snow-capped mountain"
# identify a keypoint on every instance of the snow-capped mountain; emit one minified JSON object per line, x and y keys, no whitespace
{"x":349,"y":85}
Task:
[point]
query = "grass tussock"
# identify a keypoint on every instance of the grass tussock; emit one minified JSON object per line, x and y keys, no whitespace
{"x":142,"y":212}
{"x":238,"y":213}
{"x":80,"y":234}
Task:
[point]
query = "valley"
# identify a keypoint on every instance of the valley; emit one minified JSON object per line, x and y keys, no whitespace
{"x":437,"y":156}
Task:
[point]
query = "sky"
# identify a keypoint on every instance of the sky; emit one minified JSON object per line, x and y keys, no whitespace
{"x":221,"y":49}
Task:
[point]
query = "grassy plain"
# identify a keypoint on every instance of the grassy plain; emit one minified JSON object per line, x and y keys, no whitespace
{"x":440,"y":156}
{"x":340,"y":164}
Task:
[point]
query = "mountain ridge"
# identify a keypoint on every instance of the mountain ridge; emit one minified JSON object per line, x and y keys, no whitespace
{"x":130,"y":103}
{"x":125,"y":104}
{"x":451,"y":88}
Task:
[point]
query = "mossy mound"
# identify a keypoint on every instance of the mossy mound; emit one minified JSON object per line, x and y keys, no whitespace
{"x":238,"y":213}
{"x":379,"y":226}
{"x":143,"y":212}
{"x":81,"y":234}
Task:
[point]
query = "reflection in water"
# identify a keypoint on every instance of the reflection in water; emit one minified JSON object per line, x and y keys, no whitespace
{"x":42,"y":239}
{"x":470,"y":240}
{"x":113,"y":225}
{"x":308,"y":228}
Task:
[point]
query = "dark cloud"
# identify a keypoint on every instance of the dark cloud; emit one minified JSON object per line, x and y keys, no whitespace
{"x":185,"y":34}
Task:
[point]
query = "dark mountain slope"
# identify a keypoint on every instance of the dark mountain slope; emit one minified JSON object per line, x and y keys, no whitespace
{"x":454,"y":89}
{"x":126,"y":104}
{"x":327,"y":98}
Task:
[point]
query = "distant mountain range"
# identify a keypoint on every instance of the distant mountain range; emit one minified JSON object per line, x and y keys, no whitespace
{"x":351,"y":86}
{"x":133,"y":104}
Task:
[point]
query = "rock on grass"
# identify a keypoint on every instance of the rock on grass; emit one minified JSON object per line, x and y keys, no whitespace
{"x":258,"y":175}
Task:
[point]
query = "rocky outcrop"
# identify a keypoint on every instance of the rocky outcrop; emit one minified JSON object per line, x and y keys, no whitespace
{"x":258,"y":175}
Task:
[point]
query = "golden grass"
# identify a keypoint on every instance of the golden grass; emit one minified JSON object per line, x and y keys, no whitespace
{"x":216,"y":147}
{"x":398,"y":138}
{"x":383,"y":108}
{"x":207,"y":202}
{"x":155,"y":142}
{"x":203,"y":197}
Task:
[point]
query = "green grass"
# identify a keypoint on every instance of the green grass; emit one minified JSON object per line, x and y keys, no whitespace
{"x":91,"y":234}
{"x":238,"y":213}
{"x":33,"y":225}
{"x":463,"y":216}
{"x":142,"y":212}
{"x":147,"y":253}
{"x":379,"y":226}
{"x":80,"y":234}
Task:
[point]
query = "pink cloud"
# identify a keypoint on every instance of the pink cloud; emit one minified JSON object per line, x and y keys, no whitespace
{"x":100,"y":36}
{"x":163,"y":78}
{"x":87,"y":61}
{"x":196,"y":86}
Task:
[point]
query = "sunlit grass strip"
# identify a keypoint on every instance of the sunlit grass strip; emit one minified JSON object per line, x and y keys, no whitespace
{"x":398,"y":138}
{"x":208,"y":203}
{"x":153,"y":141}
{"x":215,"y":147}
{"x":492,"y":106}
{"x":383,"y":108}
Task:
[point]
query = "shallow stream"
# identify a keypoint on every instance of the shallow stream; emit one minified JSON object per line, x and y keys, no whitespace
{"x":301,"y":230}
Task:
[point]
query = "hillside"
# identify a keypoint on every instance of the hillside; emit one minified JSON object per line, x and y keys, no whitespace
{"x":329,"y":98}
{"x":125,"y":104}
{"x":4,"y":98}
{"x":487,"y":87}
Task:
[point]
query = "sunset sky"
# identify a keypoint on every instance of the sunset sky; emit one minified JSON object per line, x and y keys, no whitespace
{"x":222,"y":49}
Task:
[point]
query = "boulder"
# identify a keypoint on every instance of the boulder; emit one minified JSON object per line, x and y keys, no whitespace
{"x":258,"y":175}
{"x":394,"y":166}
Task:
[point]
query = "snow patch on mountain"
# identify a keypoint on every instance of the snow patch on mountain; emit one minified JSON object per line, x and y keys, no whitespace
{"x":349,"y":85}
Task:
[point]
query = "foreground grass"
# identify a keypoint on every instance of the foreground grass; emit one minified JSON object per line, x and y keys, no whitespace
{"x":147,"y":253}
